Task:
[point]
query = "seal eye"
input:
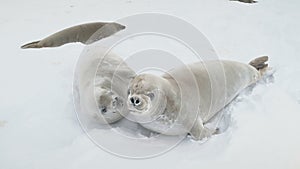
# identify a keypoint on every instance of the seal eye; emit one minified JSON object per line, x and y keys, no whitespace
{"x":151,"y":95}
{"x":128,"y":92}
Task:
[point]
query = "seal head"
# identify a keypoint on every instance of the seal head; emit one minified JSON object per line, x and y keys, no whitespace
{"x":146,"y":101}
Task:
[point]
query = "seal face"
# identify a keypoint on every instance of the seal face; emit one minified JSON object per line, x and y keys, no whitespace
{"x":110,"y":104}
{"x":102,"y":82}
{"x":156,"y":108}
{"x":166,"y":101}
{"x":145,"y":101}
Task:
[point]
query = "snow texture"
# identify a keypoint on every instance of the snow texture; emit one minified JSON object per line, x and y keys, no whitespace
{"x":38,"y":124}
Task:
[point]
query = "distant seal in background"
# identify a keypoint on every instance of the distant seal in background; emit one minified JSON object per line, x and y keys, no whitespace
{"x":160,"y":99}
{"x":84,"y":33}
{"x":246,"y":1}
{"x":102,"y":90}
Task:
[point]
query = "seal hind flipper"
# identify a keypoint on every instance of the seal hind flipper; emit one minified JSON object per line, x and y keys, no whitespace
{"x":260,"y":62}
{"x":84,"y":33}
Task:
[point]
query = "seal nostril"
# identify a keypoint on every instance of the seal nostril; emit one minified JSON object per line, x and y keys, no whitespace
{"x":103,"y":110}
{"x":137,"y":101}
{"x":132,"y":100}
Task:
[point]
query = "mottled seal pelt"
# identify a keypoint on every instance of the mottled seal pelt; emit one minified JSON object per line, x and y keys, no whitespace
{"x":171,"y":104}
{"x":102,"y":78}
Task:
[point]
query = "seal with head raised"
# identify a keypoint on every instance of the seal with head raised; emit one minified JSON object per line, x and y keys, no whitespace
{"x":182,"y":100}
{"x":102,"y":76}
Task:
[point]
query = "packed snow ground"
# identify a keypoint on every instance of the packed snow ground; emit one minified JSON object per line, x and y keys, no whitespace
{"x":38,"y":125}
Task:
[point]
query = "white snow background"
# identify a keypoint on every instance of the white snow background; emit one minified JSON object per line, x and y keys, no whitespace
{"x":38,"y":124}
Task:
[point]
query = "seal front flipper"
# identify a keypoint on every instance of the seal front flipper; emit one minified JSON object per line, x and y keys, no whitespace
{"x":199,"y":131}
{"x":85,"y":33}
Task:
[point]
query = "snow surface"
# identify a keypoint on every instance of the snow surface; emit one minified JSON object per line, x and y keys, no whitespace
{"x":38,"y":124}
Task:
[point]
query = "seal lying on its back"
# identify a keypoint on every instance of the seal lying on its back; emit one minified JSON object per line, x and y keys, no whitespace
{"x":171,"y":103}
{"x":99,"y":96}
